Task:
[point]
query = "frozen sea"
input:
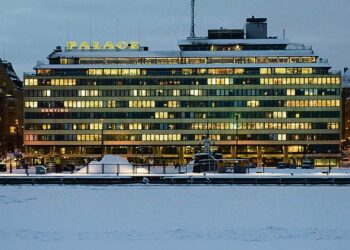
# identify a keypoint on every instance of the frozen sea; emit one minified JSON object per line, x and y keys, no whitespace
{"x":174,"y":217}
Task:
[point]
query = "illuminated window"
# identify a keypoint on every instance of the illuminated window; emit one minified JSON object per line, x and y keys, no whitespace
{"x":12,"y":130}
{"x":173,"y":104}
{"x":279,"y":115}
{"x":290,"y":91}
{"x":31,"y":104}
{"x":194,"y":92}
{"x":306,"y":71}
{"x":46,"y":93}
{"x":282,"y":137}
{"x":253,"y":104}
{"x":161,"y":115}
{"x":31,"y":82}
{"x":64,"y":61}
{"x":280,"y":70}
{"x":265,"y":71}
{"x":176,"y":92}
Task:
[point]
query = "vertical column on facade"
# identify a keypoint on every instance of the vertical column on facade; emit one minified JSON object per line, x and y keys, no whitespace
{"x":285,"y":154}
{"x":233,"y":152}
{"x":181,"y":154}
{"x":52,"y":150}
{"x":129,"y":151}
{"x":259,"y":156}
{"x":156,"y":154}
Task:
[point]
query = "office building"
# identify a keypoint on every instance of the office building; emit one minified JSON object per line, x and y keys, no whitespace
{"x":280,"y":97}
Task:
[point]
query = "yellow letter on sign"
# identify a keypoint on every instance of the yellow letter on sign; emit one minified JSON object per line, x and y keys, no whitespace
{"x":96,"y":45}
{"x":122,"y":45}
{"x":108,"y":45}
{"x":84,"y":45}
{"x":71,"y":45}
{"x":134,"y":45}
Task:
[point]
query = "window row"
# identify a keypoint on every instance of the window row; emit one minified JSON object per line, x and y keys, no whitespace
{"x":184,"y":126}
{"x":184,"y":71}
{"x":184,"y":115}
{"x":184,"y":92}
{"x":187,"y":60}
{"x":325,"y":80}
{"x":186,"y":104}
{"x":182,"y":137}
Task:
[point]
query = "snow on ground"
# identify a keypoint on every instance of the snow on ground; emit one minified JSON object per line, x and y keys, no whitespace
{"x":174,"y":217}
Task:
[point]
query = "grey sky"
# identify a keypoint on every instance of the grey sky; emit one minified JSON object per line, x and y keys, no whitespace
{"x":30,"y":29}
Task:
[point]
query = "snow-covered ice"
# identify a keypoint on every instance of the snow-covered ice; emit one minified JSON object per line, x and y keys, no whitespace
{"x":174,"y":217}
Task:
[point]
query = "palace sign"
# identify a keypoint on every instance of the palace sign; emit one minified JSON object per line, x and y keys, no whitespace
{"x":121,"y":45}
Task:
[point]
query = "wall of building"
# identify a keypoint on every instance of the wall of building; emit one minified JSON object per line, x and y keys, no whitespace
{"x":11,"y":111}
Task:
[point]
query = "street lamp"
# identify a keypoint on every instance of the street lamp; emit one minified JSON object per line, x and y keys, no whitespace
{"x":17,"y":135}
{"x":10,"y":162}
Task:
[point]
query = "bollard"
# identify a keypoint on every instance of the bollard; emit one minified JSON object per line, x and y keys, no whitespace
{"x":118,"y":169}
{"x":103,"y":168}
{"x":164,"y":168}
{"x":149,"y":168}
{"x":87,"y":169}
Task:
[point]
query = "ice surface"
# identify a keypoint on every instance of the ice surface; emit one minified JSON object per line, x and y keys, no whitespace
{"x":174,"y":217}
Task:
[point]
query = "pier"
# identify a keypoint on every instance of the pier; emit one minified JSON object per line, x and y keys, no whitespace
{"x":178,"y":179}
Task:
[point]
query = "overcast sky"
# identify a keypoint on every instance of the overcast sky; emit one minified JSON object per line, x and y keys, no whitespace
{"x":30,"y":29}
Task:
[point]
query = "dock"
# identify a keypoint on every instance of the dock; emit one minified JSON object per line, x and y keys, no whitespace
{"x":177,"y":179}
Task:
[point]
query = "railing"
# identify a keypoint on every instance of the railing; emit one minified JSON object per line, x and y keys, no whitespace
{"x":134,"y":169}
{"x":29,"y":74}
{"x":298,"y":47}
{"x":148,"y":169}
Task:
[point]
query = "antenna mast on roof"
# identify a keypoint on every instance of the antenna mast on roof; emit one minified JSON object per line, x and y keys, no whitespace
{"x":3,"y":52}
{"x":139,"y":30}
{"x":192,"y":18}
{"x":117,"y":30}
{"x":90,"y":31}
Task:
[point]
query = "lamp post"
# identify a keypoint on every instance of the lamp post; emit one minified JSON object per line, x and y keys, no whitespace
{"x":10,"y":162}
{"x":17,"y":135}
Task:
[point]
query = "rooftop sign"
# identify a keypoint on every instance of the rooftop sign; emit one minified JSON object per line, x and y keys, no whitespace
{"x":121,"y":45}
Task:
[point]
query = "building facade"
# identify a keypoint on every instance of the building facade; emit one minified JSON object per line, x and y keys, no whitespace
{"x":346,"y":106}
{"x":11,"y":110}
{"x":258,"y":97}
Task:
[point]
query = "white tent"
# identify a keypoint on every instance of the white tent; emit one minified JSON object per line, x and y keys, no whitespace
{"x":111,"y":165}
